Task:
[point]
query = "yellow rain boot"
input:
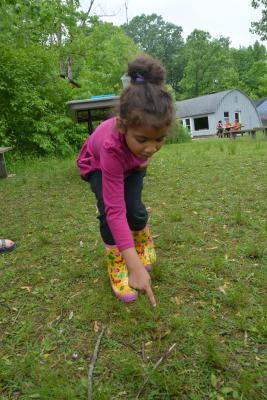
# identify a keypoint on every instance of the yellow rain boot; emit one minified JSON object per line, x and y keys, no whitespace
{"x":118,"y":275}
{"x":145,"y":248}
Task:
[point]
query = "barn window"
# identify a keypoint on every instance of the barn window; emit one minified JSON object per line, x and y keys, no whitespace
{"x":237,"y":116}
{"x":201,"y":123}
{"x":226,"y":116}
{"x":187,"y":123}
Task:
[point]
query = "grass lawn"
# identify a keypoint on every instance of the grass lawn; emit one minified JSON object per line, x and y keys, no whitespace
{"x":208,"y":207}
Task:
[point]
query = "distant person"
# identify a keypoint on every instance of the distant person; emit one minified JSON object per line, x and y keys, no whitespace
{"x":236,"y":125}
{"x":114,"y":161}
{"x":227,"y":128}
{"x":219,"y":129}
{"x":6,"y":245}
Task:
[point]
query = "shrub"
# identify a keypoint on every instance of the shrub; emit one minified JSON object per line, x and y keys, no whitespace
{"x":33,"y":99}
{"x":178,"y":134}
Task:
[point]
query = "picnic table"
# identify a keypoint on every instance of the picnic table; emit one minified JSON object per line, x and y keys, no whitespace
{"x":3,"y":170}
{"x":250,"y":131}
{"x":97,"y":108}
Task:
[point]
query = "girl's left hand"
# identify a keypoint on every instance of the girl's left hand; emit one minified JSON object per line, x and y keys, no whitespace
{"x":143,"y":166}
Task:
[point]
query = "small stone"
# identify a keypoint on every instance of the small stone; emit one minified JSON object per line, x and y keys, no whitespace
{"x":74,"y":356}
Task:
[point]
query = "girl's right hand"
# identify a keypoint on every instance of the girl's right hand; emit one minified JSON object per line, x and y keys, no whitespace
{"x":140,"y":280}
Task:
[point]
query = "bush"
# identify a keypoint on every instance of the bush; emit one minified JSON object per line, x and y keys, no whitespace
{"x":178,"y":134}
{"x":33,"y":97}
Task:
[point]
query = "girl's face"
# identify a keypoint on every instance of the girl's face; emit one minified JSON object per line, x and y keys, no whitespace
{"x":144,"y":142}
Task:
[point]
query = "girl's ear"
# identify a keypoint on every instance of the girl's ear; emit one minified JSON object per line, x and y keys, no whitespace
{"x":120,"y":125}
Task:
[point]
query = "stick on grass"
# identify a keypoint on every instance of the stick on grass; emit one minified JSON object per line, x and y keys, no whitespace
{"x":92,"y":364}
{"x":162,"y":358}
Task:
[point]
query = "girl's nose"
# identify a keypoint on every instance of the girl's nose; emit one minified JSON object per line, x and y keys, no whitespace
{"x":151,"y":148}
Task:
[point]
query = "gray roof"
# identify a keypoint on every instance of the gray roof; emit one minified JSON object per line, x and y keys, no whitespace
{"x":258,"y":102}
{"x":261,"y":105}
{"x":200,"y":105}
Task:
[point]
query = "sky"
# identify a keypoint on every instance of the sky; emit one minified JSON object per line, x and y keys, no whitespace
{"x":228,"y":18}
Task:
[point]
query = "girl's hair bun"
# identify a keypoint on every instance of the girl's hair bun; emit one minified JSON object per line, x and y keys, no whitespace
{"x":145,"y":69}
{"x":146,"y":101}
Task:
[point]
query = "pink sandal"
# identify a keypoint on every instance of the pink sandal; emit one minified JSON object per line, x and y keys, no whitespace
{"x":6,"y":245}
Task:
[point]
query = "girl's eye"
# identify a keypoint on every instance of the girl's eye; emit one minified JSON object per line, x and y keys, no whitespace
{"x":141,"y":140}
{"x":161,"y":139}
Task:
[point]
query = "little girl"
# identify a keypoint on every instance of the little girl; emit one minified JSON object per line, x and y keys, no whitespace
{"x":113,"y":160}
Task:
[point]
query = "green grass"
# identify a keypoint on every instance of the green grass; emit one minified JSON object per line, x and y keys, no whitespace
{"x":208,"y":214}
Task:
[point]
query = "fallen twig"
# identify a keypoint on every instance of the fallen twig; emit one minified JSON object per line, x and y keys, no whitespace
{"x":92,"y":363}
{"x":144,"y":356}
{"x":4,"y":304}
{"x":129,"y":345}
{"x":18,"y":314}
{"x":59,"y":318}
{"x":162,"y":358}
{"x":143,"y":352}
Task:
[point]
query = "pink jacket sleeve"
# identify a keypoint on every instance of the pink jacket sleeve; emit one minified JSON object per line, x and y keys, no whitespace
{"x":113,"y":196}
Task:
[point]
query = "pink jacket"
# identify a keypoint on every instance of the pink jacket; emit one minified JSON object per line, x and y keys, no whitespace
{"x":106,"y":150}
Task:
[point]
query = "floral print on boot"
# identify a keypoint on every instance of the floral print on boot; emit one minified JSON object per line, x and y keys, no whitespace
{"x":145,"y":248}
{"x":118,"y":275}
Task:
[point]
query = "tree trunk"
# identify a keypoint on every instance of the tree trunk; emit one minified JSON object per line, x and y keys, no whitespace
{"x":70,"y":71}
{"x":62,"y":65}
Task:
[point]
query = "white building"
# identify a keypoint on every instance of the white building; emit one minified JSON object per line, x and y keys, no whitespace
{"x":261,"y":105}
{"x":201,"y":114}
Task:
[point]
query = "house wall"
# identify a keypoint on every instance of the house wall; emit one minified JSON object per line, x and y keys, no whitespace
{"x":202,"y":132}
{"x":262,"y":110}
{"x":237,"y":102}
{"x":233,"y":102}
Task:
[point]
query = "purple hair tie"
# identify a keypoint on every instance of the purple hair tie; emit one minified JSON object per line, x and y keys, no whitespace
{"x":139,"y":78}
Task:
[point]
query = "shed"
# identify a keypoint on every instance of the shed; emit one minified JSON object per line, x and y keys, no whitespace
{"x":201,"y":114}
{"x":97,"y":108}
{"x":261,"y":105}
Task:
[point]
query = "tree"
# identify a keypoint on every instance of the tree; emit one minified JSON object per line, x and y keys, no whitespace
{"x":36,"y":37}
{"x":250,"y":64}
{"x":162,"y":40}
{"x":108,"y":50}
{"x":32,"y":101}
{"x":209,"y":67}
{"x":262,"y":90}
{"x":260,"y":27}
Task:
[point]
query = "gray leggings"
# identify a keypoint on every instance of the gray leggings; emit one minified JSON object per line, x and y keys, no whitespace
{"x":136,"y":212}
